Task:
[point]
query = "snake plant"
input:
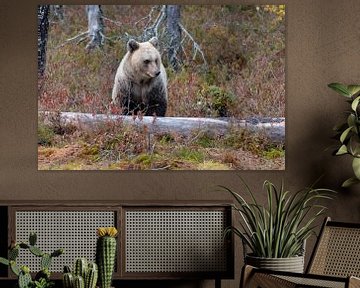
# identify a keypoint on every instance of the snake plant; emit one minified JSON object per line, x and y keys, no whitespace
{"x":279,"y":228}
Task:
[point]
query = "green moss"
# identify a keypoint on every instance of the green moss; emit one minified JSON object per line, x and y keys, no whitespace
{"x":45,"y":135}
{"x":191,"y":155}
{"x":274,"y":153}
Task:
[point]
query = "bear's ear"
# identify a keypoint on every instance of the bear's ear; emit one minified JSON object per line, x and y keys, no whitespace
{"x":132,"y":45}
{"x":154,"y":41}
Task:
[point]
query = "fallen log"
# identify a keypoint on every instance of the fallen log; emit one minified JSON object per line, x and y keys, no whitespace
{"x":273,"y":128}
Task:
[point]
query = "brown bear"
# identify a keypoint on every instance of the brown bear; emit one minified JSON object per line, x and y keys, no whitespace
{"x":140,"y":82}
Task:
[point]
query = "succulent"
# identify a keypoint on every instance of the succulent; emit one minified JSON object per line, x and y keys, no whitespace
{"x":85,"y":275}
{"x":42,"y":278}
{"x":106,"y":254}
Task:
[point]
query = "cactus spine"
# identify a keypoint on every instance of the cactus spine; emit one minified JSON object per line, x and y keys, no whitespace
{"x":84,"y":275}
{"x":106,"y":254}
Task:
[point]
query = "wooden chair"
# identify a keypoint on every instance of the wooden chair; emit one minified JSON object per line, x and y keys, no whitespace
{"x":334,"y":263}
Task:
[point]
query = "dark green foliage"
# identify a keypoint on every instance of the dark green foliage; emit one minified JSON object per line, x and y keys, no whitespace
{"x":91,"y":276}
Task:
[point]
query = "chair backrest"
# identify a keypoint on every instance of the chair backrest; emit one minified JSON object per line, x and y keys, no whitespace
{"x":337,"y":251}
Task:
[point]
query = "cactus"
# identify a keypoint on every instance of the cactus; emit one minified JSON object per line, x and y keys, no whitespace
{"x":23,"y":273}
{"x":32,"y":239}
{"x":105,"y":254}
{"x":68,"y":280}
{"x":79,"y":282}
{"x":91,"y":276}
{"x":36,"y":251}
{"x":45,"y":261}
{"x":80,"y":267}
{"x":24,"y":280}
{"x":87,"y":272}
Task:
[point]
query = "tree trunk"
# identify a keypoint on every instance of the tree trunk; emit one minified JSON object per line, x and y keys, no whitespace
{"x":96,"y":26}
{"x":43,"y":27}
{"x":273,"y":128}
{"x":174,"y":35}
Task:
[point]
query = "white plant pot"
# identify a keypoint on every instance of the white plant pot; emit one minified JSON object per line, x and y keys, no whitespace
{"x":291,"y":264}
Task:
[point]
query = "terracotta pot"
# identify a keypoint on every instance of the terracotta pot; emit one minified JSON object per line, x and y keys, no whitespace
{"x":291,"y":264}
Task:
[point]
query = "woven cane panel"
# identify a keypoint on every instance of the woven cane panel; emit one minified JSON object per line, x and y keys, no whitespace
{"x":175,"y":241}
{"x":311,"y":282}
{"x":74,"y":231}
{"x":339,"y":252}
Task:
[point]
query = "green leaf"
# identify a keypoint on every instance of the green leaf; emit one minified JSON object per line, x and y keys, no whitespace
{"x":345,"y":134}
{"x":341,"y":89}
{"x":349,"y":182}
{"x":355,"y":103}
{"x":353,"y":89}
{"x":342,"y":150}
{"x":351,"y":120}
{"x":356,"y":167}
{"x":4,"y":261}
{"x":354,"y":145}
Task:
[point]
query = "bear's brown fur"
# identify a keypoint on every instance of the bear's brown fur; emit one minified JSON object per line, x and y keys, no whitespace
{"x":140,"y":81}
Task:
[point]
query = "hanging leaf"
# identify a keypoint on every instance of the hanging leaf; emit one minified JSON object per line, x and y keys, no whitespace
{"x":356,"y":167}
{"x":341,"y":89}
{"x":342,"y":150}
{"x":355,"y":103}
{"x":353,"y":89}
{"x":345,"y":134}
{"x":349,"y":182}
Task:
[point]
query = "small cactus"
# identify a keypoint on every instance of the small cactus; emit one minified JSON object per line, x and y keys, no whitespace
{"x":106,"y":254}
{"x":91,"y":276}
{"x":83,"y":274}
{"x":80,"y":268}
{"x":68,"y":280}
{"x":79,"y":282}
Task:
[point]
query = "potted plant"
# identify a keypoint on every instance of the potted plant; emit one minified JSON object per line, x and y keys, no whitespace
{"x":276,"y":233}
{"x":349,"y":132}
{"x":42,"y":278}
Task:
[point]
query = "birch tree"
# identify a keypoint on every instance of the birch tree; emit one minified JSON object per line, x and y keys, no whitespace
{"x":95,"y":26}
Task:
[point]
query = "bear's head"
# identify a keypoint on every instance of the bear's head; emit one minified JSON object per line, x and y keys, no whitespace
{"x":145,"y":58}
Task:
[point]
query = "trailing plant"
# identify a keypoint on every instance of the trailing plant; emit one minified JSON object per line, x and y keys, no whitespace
{"x":349,"y":131}
{"x":42,"y":278}
{"x":278,"y":229}
{"x":105,"y":254}
{"x":84,"y":275}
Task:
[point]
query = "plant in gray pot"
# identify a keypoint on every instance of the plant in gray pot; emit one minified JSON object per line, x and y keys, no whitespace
{"x":274,"y":234}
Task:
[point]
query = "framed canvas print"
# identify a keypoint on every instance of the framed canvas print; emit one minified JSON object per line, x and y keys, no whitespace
{"x":161,"y":87}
